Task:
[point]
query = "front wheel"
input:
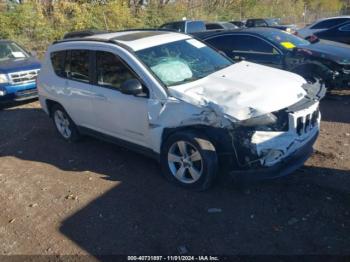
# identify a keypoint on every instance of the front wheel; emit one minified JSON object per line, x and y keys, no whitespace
{"x":189,"y":160}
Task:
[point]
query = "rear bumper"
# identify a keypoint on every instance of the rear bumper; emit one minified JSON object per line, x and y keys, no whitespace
{"x":285,"y":167}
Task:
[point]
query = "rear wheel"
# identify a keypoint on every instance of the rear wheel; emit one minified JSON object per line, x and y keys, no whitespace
{"x":64,"y":124}
{"x":189,"y":160}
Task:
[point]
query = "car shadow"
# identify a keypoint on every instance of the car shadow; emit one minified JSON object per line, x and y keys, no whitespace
{"x":335,"y":107}
{"x":304,"y":213}
{"x":11,"y":104}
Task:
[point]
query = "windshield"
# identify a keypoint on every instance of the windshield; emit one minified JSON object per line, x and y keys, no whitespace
{"x":285,"y":39}
{"x":182,"y":61}
{"x":10,"y":50}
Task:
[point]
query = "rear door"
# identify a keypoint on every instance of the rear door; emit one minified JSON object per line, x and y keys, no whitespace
{"x":72,"y":67}
{"x":248,"y":47}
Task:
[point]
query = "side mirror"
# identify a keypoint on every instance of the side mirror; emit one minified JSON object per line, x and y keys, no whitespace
{"x":312,"y":39}
{"x":131,"y":87}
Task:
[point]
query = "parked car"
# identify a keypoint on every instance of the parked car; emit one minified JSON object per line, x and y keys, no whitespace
{"x":171,"y":97}
{"x":239,"y":24}
{"x":186,"y":26}
{"x":319,"y":60}
{"x":18,"y":72}
{"x":339,"y":33}
{"x":270,"y":22}
{"x":220,"y":26}
{"x":321,"y":25}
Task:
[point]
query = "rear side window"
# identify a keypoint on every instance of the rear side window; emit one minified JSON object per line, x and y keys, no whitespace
{"x":176,"y":26}
{"x":79,"y":65}
{"x":213,"y":26}
{"x":250,"y":23}
{"x":330,"y":23}
{"x":111,"y":71}
{"x":260,"y":23}
{"x":57,"y":60}
{"x":72,"y":64}
{"x":195,"y":26}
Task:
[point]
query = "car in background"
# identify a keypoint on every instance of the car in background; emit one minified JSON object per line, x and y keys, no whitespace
{"x":185,"y":26}
{"x":220,"y":26}
{"x":239,"y":24}
{"x":172,"y":97}
{"x":18,"y":72}
{"x":322,"y":25}
{"x":270,"y":22}
{"x":321,"y":60}
{"x":339,"y":33}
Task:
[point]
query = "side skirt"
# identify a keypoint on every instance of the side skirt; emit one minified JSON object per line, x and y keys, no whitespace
{"x":128,"y":145}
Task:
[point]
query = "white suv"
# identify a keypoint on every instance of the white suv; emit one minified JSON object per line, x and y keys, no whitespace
{"x":174,"y":98}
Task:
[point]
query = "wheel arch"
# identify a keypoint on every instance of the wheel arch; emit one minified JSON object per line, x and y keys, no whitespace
{"x":50,"y":104}
{"x":217,"y":136}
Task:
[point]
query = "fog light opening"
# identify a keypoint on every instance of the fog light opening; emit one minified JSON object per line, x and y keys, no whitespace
{"x":271,"y":156}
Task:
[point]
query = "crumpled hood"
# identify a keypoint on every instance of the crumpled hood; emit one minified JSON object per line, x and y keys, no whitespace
{"x":243,"y":90}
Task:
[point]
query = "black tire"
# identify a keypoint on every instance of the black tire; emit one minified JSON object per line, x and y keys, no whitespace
{"x":195,"y":143}
{"x":74,"y":135}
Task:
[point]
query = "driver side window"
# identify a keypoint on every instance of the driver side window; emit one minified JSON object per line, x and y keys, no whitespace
{"x":242,"y":44}
{"x":111,"y":71}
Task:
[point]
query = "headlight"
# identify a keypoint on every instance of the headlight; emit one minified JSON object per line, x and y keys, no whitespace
{"x":263,"y":120}
{"x":2,"y":91}
{"x":3,"y":79}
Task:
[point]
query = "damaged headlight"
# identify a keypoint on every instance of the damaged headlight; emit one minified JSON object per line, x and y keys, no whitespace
{"x":263,"y":120}
{"x":276,"y":121}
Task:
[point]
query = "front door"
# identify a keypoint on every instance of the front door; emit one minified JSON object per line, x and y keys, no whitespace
{"x":250,"y":48}
{"x":117,"y":114}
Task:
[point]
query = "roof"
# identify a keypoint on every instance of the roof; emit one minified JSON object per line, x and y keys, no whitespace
{"x":252,"y":30}
{"x":334,"y":17}
{"x":134,"y":39}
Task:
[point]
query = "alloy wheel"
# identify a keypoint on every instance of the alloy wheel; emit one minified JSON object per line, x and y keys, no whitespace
{"x":185,"y":162}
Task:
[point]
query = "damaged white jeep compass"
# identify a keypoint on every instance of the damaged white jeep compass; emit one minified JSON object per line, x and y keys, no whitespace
{"x":170,"y":96}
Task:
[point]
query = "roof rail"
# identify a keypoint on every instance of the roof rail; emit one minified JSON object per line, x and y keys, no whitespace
{"x":81,"y":39}
{"x":84,"y":33}
{"x":92,"y":32}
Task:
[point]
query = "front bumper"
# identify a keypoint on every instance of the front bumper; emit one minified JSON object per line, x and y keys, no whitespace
{"x":285,"y":167}
{"x":19,"y":92}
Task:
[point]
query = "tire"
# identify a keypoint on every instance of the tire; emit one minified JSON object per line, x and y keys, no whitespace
{"x":64,"y":124}
{"x":190,"y":160}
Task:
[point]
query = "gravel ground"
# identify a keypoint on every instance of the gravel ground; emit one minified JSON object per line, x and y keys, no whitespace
{"x":96,"y":198}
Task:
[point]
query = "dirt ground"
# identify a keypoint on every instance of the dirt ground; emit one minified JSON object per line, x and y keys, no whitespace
{"x":96,"y":198}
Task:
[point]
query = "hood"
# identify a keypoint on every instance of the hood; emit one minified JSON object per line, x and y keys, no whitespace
{"x":15,"y":65}
{"x":244,"y":90}
{"x":334,"y":51}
